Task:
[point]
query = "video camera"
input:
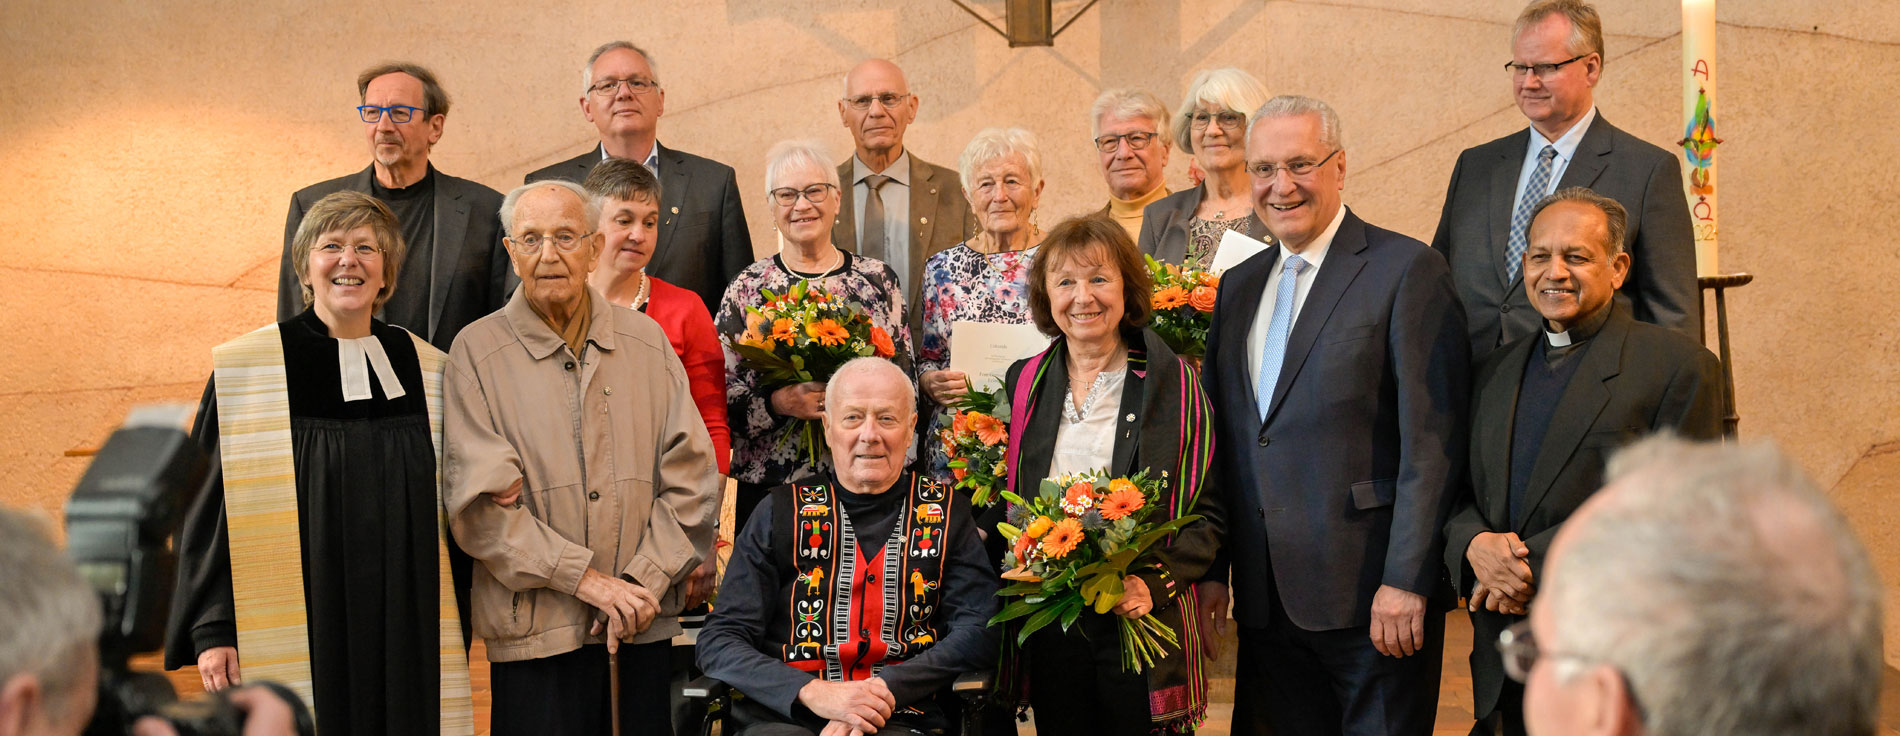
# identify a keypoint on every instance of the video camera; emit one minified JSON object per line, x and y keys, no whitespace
{"x":119,"y":523}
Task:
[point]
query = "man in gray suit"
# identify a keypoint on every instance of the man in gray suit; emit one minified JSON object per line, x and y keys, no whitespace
{"x":703,"y":238}
{"x":901,"y":209}
{"x":1556,"y":61}
{"x":457,"y":269}
{"x":1547,"y":411}
{"x":1341,"y":354}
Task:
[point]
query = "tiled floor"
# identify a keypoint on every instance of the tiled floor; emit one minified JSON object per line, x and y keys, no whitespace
{"x":1454,"y":708}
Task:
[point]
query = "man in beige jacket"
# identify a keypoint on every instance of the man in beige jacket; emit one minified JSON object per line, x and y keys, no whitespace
{"x":579,"y":476}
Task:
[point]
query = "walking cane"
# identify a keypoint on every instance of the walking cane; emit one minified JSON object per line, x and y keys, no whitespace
{"x":613,"y":689}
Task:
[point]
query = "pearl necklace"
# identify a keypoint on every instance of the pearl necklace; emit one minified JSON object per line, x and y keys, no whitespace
{"x":639,"y":297}
{"x":1074,"y":415}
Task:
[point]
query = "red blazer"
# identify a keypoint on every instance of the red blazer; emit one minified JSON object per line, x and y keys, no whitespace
{"x":689,"y":327}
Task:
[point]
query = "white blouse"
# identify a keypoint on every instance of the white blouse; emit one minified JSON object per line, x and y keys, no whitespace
{"x":1090,"y":443}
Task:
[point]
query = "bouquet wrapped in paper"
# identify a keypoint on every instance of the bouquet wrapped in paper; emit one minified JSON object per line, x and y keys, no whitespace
{"x":1183,"y":303}
{"x":1071,"y":545}
{"x":804,"y":335}
{"x":975,"y":442}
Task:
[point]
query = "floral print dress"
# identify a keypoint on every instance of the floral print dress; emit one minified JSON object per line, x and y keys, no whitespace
{"x":762,"y":450}
{"x":962,"y":284}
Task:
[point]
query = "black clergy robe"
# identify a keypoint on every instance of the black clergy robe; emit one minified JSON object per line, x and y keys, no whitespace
{"x":366,"y":505}
{"x":743,"y":638}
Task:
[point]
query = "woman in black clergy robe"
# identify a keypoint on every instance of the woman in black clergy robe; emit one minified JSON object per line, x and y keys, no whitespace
{"x":1108,"y":395}
{"x":366,"y":499}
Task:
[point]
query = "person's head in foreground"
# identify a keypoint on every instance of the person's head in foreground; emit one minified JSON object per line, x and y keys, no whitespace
{"x":49,"y":634}
{"x":1707,"y":589}
{"x":870,"y":419}
{"x":554,"y":242}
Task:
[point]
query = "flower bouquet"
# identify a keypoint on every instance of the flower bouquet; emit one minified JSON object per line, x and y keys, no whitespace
{"x":1183,"y":302}
{"x":804,"y":335}
{"x":1071,"y":544}
{"x":975,"y":442}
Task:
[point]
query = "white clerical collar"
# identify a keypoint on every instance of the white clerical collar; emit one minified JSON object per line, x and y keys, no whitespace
{"x":355,"y":358}
{"x":1557,"y":339}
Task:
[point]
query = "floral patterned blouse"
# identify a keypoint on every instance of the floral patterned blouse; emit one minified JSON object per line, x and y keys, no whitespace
{"x":762,"y":450}
{"x":962,"y":284}
{"x":1204,"y":236}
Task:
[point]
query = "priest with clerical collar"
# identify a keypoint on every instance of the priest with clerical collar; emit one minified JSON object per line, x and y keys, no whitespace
{"x":853,"y":602}
{"x":1547,"y":411}
{"x":580,"y":477}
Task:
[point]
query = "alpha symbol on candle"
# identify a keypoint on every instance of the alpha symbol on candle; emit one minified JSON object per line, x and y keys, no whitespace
{"x":1701,"y":68}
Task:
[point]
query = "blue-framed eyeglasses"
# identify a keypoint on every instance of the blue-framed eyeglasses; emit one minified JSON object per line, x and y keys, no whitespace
{"x":397,"y":113}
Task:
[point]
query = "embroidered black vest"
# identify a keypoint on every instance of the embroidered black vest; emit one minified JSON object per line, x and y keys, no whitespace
{"x":851,"y":615}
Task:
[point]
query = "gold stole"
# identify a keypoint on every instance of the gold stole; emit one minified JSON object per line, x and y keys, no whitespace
{"x":260,"y":503}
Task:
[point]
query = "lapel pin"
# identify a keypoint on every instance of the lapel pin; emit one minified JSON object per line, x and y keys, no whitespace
{"x":923,"y":220}
{"x":609,"y":391}
{"x":676,"y":210}
{"x":1131,"y":417}
{"x":933,"y":190}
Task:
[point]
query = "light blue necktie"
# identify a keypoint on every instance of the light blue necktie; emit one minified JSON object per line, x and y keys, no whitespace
{"x":1273,"y":353}
{"x":1534,"y":190}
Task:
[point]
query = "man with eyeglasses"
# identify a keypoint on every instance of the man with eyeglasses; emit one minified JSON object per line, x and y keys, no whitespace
{"x":1547,"y":410}
{"x":703,"y":240}
{"x":1132,"y":137}
{"x":1708,"y":590}
{"x":456,"y":269}
{"x":1338,"y":357}
{"x":576,"y":469}
{"x":1556,"y":61}
{"x":900,"y":208}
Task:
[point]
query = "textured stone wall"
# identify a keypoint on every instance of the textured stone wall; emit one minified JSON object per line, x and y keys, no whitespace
{"x":152,"y":149}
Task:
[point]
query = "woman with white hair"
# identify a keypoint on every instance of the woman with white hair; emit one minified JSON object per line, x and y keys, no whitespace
{"x":803,"y":194}
{"x":982,"y":279}
{"x":1211,"y":124}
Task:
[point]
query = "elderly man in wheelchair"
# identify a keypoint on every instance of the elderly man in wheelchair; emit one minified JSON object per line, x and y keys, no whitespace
{"x":854,"y":599}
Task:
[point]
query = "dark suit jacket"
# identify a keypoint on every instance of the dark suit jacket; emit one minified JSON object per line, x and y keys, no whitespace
{"x":704,"y":242}
{"x":1347,"y":484}
{"x":1475,"y":229}
{"x":1635,"y":378}
{"x":939,"y":218}
{"x":471,"y":274}
{"x":1164,"y":226}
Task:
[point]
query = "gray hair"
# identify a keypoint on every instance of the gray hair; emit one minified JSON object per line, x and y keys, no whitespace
{"x":52,"y":616}
{"x":868,"y":364}
{"x":587,"y":70}
{"x":513,"y":199}
{"x":1228,"y":88}
{"x":990,"y":144}
{"x":1616,"y":217}
{"x":1130,"y":103}
{"x":1729,"y":592}
{"x":786,"y":155}
{"x":1286,"y":106}
{"x":1586,"y":27}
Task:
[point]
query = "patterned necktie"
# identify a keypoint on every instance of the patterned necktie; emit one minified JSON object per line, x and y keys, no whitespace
{"x":1273,"y":353}
{"x":874,"y":237}
{"x":1521,"y":221}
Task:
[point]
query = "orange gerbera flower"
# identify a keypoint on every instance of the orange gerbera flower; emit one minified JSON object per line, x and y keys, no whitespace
{"x":1123,"y":484}
{"x":784,"y":330}
{"x":1038,"y":527}
{"x":960,"y":423}
{"x":1062,"y":539}
{"x":827,"y":332}
{"x":987,"y":428}
{"x":1202,"y":298}
{"x":881,"y":341}
{"x":1122,"y":502}
{"x":1169,"y":298}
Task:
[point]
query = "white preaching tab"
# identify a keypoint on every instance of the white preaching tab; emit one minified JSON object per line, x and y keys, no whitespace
{"x":355,"y":357}
{"x":1235,"y":247}
{"x":983,"y":351}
